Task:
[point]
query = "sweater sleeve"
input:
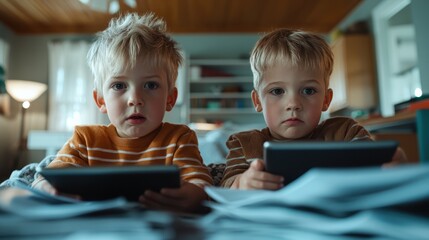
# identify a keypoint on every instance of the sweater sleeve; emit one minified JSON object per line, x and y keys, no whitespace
{"x":72,"y":154}
{"x":350,"y":130}
{"x":187,"y":157}
{"x":341,"y":129}
{"x":357,"y":132}
{"x":235,"y":161}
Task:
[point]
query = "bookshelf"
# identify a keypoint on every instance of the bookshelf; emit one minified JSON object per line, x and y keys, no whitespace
{"x":219,"y":91}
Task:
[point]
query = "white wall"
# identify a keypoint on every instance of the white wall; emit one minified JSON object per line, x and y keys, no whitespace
{"x":420,"y":12}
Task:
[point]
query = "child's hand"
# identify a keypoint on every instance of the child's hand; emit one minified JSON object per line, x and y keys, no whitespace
{"x":256,"y":178}
{"x":43,"y":185}
{"x":187,"y":198}
{"x":398,"y":158}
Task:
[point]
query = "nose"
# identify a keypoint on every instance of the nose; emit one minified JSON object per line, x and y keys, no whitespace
{"x":135,"y":98}
{"x":293,"y":103}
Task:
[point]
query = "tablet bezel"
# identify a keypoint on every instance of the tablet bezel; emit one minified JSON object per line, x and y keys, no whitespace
{"x":101,"y":183}
{"x":292,"y":159}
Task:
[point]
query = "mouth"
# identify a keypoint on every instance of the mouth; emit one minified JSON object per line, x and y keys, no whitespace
{"x":136,"y":117}
{"x":292,"y":121}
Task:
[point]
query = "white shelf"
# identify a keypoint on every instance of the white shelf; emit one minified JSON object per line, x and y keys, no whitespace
{"x":219,"y":95}
{"x":220,"y":62}
{"x":51,"y":141}
{"x":221,"y":111}
{"x":206,"y":80}
{"x":219,"y":91}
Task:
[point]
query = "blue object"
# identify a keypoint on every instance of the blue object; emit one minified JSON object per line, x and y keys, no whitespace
{"x":422,"y":120}
{"x":2,"y":81}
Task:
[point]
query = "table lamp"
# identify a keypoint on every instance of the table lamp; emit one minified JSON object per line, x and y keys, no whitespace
{"x":25,"y":92}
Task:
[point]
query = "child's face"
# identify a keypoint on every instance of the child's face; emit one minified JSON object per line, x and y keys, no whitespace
{"x":136,"y":100}
{"x":292,"y":100}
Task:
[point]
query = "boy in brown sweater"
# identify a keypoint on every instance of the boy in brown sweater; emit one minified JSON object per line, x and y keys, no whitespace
{"x":291,"y":71}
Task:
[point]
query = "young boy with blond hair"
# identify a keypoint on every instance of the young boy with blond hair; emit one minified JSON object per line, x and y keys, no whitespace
{"x":291,"y":71}
{"x":135,"y":66}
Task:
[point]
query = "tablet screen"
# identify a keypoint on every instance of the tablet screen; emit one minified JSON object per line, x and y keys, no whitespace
{"x":292,"y":159}
{"x":100,"y":183}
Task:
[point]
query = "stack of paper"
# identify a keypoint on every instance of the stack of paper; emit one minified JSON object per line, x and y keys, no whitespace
{"x":28,"y":213}
{"x":328,"y":203}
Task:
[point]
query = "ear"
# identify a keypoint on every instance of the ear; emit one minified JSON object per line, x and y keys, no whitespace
{"x":99,"y":101}
{"x":327,"y":100}
{"x":171,"y":99}
{"x":256,"y":102}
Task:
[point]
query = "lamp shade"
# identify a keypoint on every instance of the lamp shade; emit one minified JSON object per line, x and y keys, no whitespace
{"x":23,"y":90}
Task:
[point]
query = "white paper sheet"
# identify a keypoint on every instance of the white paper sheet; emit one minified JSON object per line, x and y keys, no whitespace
{"x":330,"y":203}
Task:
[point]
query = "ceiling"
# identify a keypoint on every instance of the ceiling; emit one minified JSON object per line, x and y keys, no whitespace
{"x":182,"y":16}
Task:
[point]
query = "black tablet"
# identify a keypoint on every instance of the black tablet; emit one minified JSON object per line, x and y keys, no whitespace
{"x":100,"y":183}
{"x":292,"y":159}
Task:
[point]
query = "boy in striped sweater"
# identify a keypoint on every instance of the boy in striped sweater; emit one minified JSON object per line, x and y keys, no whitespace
{"x":291,"y":71}
{"x":135,"y":66}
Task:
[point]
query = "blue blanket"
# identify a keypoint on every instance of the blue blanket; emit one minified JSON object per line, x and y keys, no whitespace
{"x":26,"y":175}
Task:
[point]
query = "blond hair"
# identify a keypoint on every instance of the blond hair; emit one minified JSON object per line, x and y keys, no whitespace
{"x":298,"y":48}
{"x":127,"y":38}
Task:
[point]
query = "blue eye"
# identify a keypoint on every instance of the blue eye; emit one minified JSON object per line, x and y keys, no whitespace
{"x":151,"y":85}
{"x":118,"y":86}
{"x":309,"y":91}
{"x":277,"y":91}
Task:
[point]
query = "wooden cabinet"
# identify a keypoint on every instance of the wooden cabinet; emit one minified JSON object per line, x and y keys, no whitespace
{"x":220,"y":91}
{"x":409,"y":128}
{"x":353,"y":78}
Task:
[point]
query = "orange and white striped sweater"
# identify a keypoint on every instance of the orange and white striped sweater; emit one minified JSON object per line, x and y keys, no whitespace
{"x":100,"y":145}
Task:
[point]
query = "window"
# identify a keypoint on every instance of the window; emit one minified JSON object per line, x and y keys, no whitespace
{"x":70,"y":87}
{"x":399,"y":76}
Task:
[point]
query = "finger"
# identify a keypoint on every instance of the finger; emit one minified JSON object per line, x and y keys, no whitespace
{"x":47,"y":187}
{"x":265,"y":177}
{"x":265,"y":185}
{"x":400,"y":156}
{"x":388,"y":165}
{"x":269,"y":177}
{"x":258,"y":165}
{"x":160,"y":198}
{"x":76,"y":197}
{"x":149,"y":203}
{"x":172,"y":193}
{"x":264,"y":180}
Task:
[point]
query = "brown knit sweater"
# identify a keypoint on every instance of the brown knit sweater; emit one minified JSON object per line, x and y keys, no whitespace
{"x":245,"y":147}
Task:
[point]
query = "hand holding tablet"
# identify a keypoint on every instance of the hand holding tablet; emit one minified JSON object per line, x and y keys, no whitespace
{"x":100,"y":183}
{"x":292,"y":159}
